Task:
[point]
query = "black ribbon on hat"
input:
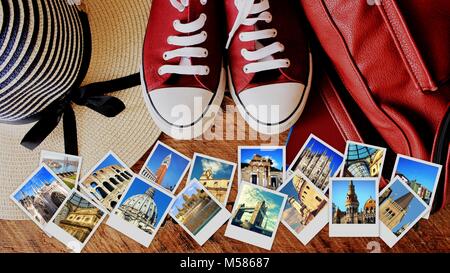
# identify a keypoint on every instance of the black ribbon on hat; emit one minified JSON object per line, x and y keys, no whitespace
{"x":92,"y":96}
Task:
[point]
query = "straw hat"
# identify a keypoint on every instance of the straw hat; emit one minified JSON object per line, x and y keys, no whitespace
{"x":117,"y":29}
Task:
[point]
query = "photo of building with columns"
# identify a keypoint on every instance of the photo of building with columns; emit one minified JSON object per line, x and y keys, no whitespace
{"x":108,"y":181}
{"x":261,"y":166}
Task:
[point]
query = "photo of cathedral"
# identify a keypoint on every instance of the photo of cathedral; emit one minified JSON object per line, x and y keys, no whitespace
{"x":362,"y":160}
{"x":143,"y":206}
{"x":78,"y":217}
{"x":262,"y":166}
{"x":216,"y":175}
{"x":304,"y":202}
{"x":257,"y":209}
{"x":194,"y":208}
{"x":353,"y":201}
{"x":400,"y":208}
{"x":165,"y":166}
{"x":318,"y":161}
{"x":66,"y":167}
{"x":107,"y":181}
{"x":41,"y":195}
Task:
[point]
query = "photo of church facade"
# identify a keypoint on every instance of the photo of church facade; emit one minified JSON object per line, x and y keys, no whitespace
{"x":399,"y":208}
{"x":216,"y":175}
{"x":262,"y":166}
{"x":318,"y":162}
{"x":363,"y":160}
{"x":107,"y":181}
{"x":41,"y":196}
{"x":194,"y":208}
{"x":346,"y":205}
{"x":304,"y":202}
{"x":78,"y":217}
{"x":143,"y":206}
{"x":165,"y":167}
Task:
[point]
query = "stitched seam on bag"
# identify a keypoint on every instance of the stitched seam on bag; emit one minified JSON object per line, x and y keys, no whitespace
{"x":358,"y":76}
{"x":328,"y":101}
{"x":407,"y":48}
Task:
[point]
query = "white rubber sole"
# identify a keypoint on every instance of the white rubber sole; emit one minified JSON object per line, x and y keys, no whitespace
{"x":272,"y":129}
{"x":199,"y":126}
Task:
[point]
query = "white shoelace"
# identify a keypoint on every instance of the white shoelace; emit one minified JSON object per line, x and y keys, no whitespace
{"x":187,"y":44}
{"x":262,"y":58}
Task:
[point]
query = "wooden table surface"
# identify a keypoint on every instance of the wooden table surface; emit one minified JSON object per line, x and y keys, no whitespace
{"x":431,"y":235}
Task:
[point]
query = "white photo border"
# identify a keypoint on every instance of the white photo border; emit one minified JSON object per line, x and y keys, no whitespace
{"x":231,"y":180}
{"x":354,"y":230}
{"x":132,"y":231}
{"x":251,"y":237}
{"x":174,"y":151}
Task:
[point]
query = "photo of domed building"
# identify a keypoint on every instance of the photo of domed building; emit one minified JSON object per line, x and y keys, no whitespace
{"x":107,"y":181}
{"x":353,"y":202}
{"x":41,"y":195}
{"x":362,"y":160}
{"x":143,"y":206}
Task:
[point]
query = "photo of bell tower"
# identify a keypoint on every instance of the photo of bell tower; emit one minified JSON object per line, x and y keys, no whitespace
{"x":161,"y":172}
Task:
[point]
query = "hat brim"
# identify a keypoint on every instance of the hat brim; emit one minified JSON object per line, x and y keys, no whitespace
{"x":117,"y":30}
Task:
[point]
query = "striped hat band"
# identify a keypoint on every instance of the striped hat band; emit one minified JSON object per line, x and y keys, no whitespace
{"x":42,"y":47}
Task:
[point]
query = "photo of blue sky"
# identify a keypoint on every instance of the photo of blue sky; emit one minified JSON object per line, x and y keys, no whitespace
{"x":251,"y":195}
{"x":317,"y":147}
{"x":176,"y":168}
{"x":421,"y":172}
{"x":110,"y":160}
{"x":161,"y":199}
{"x":290,"y":191}
{"x":219,"y":169}
{"x":364,"y":189}
{"x":415,"y":208}
{"x":275,"y":154}
{"x":41,"y":178}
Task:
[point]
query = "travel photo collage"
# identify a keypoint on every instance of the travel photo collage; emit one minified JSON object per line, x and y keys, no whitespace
{"x":321,"y":186}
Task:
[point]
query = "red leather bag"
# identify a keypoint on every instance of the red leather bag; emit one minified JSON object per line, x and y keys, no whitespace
{"x":391,"y":61}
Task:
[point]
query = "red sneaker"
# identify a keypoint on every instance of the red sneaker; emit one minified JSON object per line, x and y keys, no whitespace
{"x":182,"y":71}
{"x":270,"y":66}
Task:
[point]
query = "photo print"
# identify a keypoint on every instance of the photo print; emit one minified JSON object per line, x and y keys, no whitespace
{"x":262,"y":165}
{"x":306,"y":210}
{"x":41,"y":195}
{"x":256,"y":215}
{"x":66,"y":167}
{"x":354,"y":207}
{"x":107,"y":181}
{"x":318,"y":161}
{"x":215,"y":174}
{"x":421,"y":176}
{"x":198,"y":212}
{"x":142,"y":210}
{"x":400,"y":209}
{"x":363,"y":160}
{"x":165,"y":166}
{"x":76,"y":221}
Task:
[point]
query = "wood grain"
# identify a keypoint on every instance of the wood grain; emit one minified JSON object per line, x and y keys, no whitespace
{"x":23,"y":236}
